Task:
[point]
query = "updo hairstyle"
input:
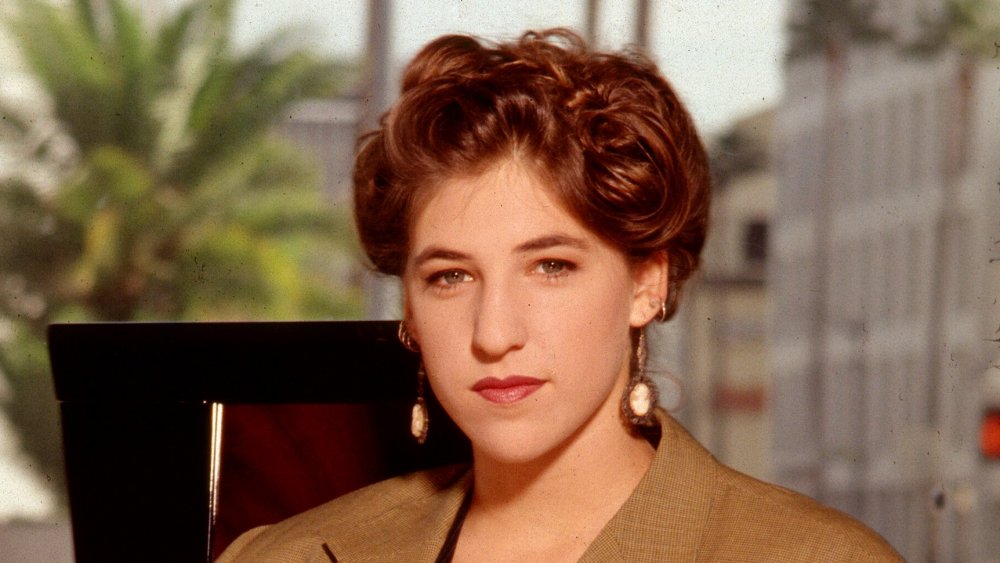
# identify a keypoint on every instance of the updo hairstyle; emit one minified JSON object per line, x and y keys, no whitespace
{"x":604,"y":131}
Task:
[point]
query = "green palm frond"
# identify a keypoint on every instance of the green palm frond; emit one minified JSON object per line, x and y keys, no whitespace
{"x":172,"y":128}
{"x":242,"y":98}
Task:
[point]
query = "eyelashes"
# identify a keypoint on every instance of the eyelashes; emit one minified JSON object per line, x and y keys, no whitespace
{"x":549,"y":269}
{"x":446,"y":278}
{"x":552,"y":268}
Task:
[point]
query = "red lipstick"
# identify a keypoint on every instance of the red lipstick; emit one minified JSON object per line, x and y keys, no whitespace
{"x":507,"y":390}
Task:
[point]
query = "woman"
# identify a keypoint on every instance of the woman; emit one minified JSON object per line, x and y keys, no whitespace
{"x":543,"y":204}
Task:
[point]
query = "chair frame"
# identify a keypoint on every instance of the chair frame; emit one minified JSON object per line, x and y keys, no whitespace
{"x":142,"y":410}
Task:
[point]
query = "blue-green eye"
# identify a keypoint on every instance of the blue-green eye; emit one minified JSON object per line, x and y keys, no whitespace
{"x":553,"y":267}
{"x":450,"y":277}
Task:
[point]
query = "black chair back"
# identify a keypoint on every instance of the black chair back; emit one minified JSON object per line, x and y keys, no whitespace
{"x":179,"y":436}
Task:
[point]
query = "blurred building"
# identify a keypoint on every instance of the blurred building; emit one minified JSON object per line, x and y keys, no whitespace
{"x":327,"y":131}
{"x":726,"y":308}
{"x":885,"y":298}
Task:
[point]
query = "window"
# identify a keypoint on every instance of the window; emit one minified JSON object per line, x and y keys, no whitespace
{"x":755,"y":242}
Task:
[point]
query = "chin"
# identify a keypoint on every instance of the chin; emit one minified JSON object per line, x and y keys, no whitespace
{"x":510,"y":445}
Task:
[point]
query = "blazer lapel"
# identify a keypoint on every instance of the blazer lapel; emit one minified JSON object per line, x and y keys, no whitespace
{"x":412,"y":530}
{"x":664,"y":518}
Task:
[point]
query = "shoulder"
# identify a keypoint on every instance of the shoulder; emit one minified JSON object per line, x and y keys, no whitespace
{"x":714,"y":513}
{"x":767,"y":520}
{"x":690,"y":507}
{"x":405,"y":510}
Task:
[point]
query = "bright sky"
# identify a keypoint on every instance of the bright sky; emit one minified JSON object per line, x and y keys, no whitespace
{"x":724,"y":57}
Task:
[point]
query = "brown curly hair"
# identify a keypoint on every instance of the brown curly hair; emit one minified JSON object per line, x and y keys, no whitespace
{"x":605,"y":131}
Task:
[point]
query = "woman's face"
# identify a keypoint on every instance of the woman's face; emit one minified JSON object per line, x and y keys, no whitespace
{"x":522,"y":314}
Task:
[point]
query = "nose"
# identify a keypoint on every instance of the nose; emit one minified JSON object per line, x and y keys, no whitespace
{"x":500,"y":322}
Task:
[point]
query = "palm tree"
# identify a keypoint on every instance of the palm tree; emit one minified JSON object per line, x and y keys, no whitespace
{"x":974,"y":26}
{"x":822,"y":23}
{"x":153,"y":186}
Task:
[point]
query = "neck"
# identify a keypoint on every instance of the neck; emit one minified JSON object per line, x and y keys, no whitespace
{"x":594,"y":473}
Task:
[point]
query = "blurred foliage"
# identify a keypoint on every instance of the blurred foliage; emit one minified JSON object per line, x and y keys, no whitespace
{"x":825,"y":24}
{"x":973,"y":26}
{"x":148,"y":184}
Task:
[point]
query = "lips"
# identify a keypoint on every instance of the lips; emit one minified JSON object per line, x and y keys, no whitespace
{"x":507,"y":390}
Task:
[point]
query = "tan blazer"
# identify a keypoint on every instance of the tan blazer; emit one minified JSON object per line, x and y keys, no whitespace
{"x":688,"y":507}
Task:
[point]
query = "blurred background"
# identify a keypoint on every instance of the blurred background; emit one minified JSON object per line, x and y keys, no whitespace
{"x":191,"y":160}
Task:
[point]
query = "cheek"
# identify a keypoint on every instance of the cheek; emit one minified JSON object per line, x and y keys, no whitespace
{"x":441,"y":328}
{"x":604,"y":317}
{"x":606,"y":303}
{"x":593,"y":322}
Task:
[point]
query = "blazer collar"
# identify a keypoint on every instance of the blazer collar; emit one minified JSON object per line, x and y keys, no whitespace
{"x":664,"y":518}
{"x":411,"y":528}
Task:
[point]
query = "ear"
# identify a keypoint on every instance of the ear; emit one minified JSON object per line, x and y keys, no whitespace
{"x":649,"y":283}
{"x":408,"y":314}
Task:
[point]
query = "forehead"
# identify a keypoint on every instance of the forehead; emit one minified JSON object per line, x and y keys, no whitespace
{"x":506,"y":195}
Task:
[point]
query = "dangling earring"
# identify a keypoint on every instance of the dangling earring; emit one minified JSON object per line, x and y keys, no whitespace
{"x":640,"y":396}
{"x":419,"y":419}
{"x":405,"y":339}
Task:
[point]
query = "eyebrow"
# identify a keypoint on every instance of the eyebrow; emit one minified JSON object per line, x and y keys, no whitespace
{"x":533,"y":245}
{"x":551,"y":241}
{"x":438,"y":253}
